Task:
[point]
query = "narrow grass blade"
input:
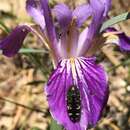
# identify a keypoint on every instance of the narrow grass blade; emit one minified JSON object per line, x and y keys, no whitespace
{"x":36,"y":82}
{"x":30,"y":50}
{"x":115,"y":20}
{"x":126,"y":62}
{"x":6,"y":29}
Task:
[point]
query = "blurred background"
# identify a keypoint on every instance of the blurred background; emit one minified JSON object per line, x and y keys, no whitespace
{"x":23,"y":104}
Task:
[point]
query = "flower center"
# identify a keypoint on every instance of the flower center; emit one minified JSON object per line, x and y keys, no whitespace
{"x":74,"y":104}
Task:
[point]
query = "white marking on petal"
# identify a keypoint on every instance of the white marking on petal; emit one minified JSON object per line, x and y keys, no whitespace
{"x":63,"y":64}
{"x":68,"y":67}
{"x":82,"y":38}
{"x":81,"y":77}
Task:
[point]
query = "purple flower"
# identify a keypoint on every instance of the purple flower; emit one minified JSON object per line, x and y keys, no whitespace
{"x":77,"y":90}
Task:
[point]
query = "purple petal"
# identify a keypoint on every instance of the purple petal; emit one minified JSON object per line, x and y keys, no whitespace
{"x":50,"y":28}
{"x":13,"y":42}
{"x":72,"y":42}
{"x":81,"y":13}
{"x":91,"y":81}
{"x":123,"y":42}
{"x":33,"y":8}
{"x":95,"y":79}
{"x":63,"y":15}
{"x":69,"y":40}
{"x":63,"y":45}
{"x":100,"y":11}
{"x":107,"y":4}
{"x":48,"y":20}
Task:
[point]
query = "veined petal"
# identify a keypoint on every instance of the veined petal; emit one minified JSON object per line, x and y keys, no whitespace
{"x":100,"y":10}
{"x":95,"y":94}
{"x":48,"y":20}
{"x":13,"y":42}
{"x":63,"y":15}
{"x":34,"y":9}
{"x":122,"y":40}
{"x":81,"y":13}
{"x":50,"y":29}
{"x":83,"y":75}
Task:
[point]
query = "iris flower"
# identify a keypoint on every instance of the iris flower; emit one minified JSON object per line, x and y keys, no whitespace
{"x":77,"y":90}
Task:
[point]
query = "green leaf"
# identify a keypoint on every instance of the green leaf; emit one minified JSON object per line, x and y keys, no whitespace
{"x":6,"y":29}
{"x":115,"y":20}
{"x":30,"y":50}
{"x":55,"y":126}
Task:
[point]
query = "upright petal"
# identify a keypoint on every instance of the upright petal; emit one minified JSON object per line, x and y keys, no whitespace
{"x":81,"y":13}
{"x":50,"y":28}
{"x":34,"y":9}
{"x":72,"y":41}
{"x":100,"y":10}
{"x":107,"y":4}
{"x":81,"y":41}
{"x":63,"y":15}
{"x":69,"y":40}
{"x":90,"y":82}
{"x":97,"y":19}
{"x":48,"y":20}
{"x":13,"y":42}
{"x":62,"y":45}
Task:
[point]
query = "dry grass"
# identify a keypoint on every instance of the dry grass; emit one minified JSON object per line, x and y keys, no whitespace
{"x":17,"y":72}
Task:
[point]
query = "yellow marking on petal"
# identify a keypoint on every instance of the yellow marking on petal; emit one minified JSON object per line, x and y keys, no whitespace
{"x":72,"y":62}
